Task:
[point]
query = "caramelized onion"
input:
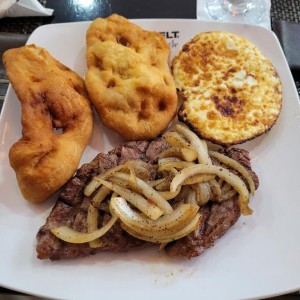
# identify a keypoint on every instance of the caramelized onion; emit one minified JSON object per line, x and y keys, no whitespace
{"x":203,"y":193}
{"x":95,"y":183}
{"x":167,"y":224}
{"x":166,"y":238}
{"x":196,"y":143}
{"x":149,"y":192}
{"x":72,"y":236}
{"x":235,"y":165}
{"x":236,"y":182}
{"x":142,"y":205}
{"x":92,"y":225}
{"x":149,"y":209}
{"x":176,"y":140}
{"x":175,"y":164}
{"x":102,"y":192}
{"x":169,"y":195}
{"x":185,"y":154}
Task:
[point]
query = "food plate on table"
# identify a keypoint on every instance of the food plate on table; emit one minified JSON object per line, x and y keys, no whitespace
{"x":258,"y":257}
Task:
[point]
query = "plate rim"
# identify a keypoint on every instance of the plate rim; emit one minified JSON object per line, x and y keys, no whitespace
{"x":44,"y":27}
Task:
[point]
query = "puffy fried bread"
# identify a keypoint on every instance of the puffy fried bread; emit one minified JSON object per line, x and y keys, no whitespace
{"x":128,"y":79}
{"x":56,"y":119}
{"x":232,"y":92}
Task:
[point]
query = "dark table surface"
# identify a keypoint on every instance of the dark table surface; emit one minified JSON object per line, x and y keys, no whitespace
{"x":74,"y":10}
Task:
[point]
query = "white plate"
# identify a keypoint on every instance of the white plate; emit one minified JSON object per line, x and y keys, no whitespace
{"x":258,"y":257}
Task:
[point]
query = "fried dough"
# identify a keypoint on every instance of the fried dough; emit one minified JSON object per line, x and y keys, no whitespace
{"x":56,"y":119}
{"x":128,"y":79}
{"x":232,"y":92}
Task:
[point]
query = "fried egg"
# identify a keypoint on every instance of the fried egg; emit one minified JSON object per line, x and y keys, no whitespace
{"x":232,"y":92}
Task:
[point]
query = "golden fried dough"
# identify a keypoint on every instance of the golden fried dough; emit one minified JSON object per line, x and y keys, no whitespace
{"x":232,"y":91}
{"x":56,"y":118}
{"x":128,"y":79}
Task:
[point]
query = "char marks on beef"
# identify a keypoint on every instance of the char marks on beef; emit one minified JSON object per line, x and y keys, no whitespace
{"x":72,"y":205}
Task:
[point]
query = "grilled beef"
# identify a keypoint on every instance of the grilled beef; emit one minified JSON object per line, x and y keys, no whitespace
{"x":72,"y":205}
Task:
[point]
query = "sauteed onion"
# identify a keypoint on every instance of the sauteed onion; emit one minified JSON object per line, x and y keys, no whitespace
{"x":72,"y":236}
{"x":145,"y":207}
{"x":236,"y":182}
{"x":166,"y":225}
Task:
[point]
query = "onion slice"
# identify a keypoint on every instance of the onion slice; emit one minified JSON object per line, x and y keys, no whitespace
{"x":215,"y":187}
{"x":235,"y":165}
{"x":72,"y":236}
{"x":92,"y":218}
{"x":139,"y":167}
{"x":169,"y":195}
{"x":181,"y":216}
{"x":183,"y":153}
{"x":149,"y":209}
{"x":196,"y":143}
{"x":100,"y":195}
{"x":166,"y":238}
{"x":225,"y":196}
{"x":176,"y":140}
{"x":199,"y":179}
{"x":203,"y":193}
{"x":192,"y":197}
{"x":156,"y":182}
{"x":175,"y":164}
{"x":92,"y":225}
{"x":149,"y":192}
{"x":95,"y":183}
{"x":93,"y":215}
{"x":235,"y":181}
